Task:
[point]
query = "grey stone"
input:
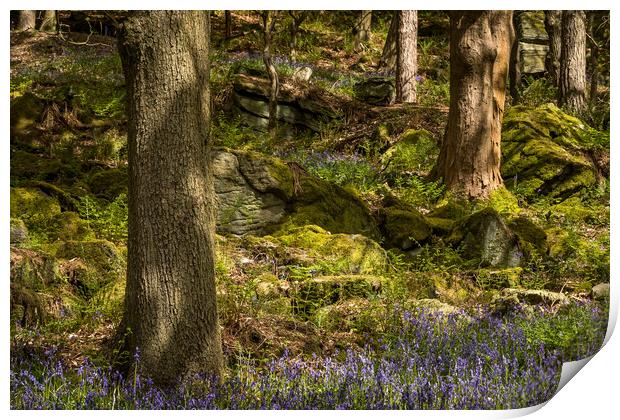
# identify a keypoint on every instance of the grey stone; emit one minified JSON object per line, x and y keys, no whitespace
{"x":376,"y":90}
{"x":19,"y":232}
{"x":532,"y":27}
{"x":302,"y":74}
{"x":534,"y":297}
{"x":600,"y":291}
{"x":532,"y":57}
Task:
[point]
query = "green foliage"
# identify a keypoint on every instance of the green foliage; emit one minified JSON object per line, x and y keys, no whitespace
{"x":109,"y":220}
{"x":575,"y":331}
{"x":432,"y":93}
{"x":418,"y":191}
{"x":537,"y":92}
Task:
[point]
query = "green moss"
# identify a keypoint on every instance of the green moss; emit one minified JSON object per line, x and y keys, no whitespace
{"x":327,"y":290}
{"x":68,"y":226}
{"x":344,"y":253}
{"x":504,"y":202}
{"x":573,"y":210}
{"x":26,"y":110}
{"x":497,"y":279}
{"x":108,"y":183}
{"x":34,"y":270}
{"x":529,"y":234}
{"x":404,"y":229}
{"x":34,"y":207}
{"x":416,"y":151}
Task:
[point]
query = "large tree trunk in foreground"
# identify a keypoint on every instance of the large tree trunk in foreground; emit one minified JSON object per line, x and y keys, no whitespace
{"x":407,"y":62}
{"x":170,"y":302}
{"x":593,"y":59}
{"x":361,"y":31}
{"x":572,"y":92}
{"x":388,"y":56}
{"x":553,"y":26}
{"x":26,"y":20}
{"x":49,"y":21}
{"x":469,"y":158}
{"x":515,"y":60}
{"x":269,"y":22}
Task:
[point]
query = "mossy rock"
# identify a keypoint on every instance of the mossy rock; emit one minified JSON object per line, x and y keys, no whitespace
{"x":534,"y":297}
{"x":416,"y":151}
{"x":503,"y":201}
{"x":437,"y":307}
{"x":68,"y":226}
{"x":326,"y":290}
{"x":26,"y":111}
{"x":34,"y":207}
{"x":268,"y":286}
{"x":350,"y":315}
{"x":108,"y":183}
{"x":488,"y":279}
{"x":544,"y":153}
{"x":454,"y":288}
{"x":343,"y":253}
{"x":18,"y":231}
{"x":574,"y":211}
{"x":32,"y":166}
{"x":404,"y":229}
{"x":91,"y":264}
{"x":531,"y":236}
{"x":34,"y":270}
{"x":484,"y":239}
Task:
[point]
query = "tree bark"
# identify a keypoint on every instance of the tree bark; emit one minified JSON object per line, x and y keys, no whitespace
{"x":515,"y":60}
{"x":407,"y":61}
{"x":361,"y":32}
{"x":170,"y":301}
{"x":49,"y":21}
{"x":26,"y":20}
{"x":227,"y":24}
{"x":553,"y":26}
{"x":469,"y":158}
{"x":298,"y":18}
{"x":388,"y":56}
{"x":269,"y":22}
{"x":572,"y":92}
{"x":593,"y":59}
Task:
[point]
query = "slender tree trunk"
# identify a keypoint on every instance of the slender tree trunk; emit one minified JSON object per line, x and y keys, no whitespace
{"x":388,"y":56}
{"x":227,"y":24}
{"x":49,"y":21}
{"x":298,"y":19}
{"x":269,"y":22}
{"x":480,"y":44}
{"x":361,"y":32}
{"x":407,"y":61}
{"x":170,"y":301}
{"x":553,"y":26}
{"x":27,"y":19}
{"x":593,"y":61}
{"x":515,"y":60}
{"x":572,"y":92}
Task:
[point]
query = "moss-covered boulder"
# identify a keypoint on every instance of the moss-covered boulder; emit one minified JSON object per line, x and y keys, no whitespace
{"x":341,"y":253}
{"x":18,"y":231}
{"x":35,"y":208}
{"x":416,"y":151}
{"x":404,"y":229}
{"x":68,"y":226}
{"x":488,"y":279}
{"x":34,"y":270}
{"x":108,"y":183}
{"x":544,"y":152}
{"x":89,"y":265}
{"x":484,"y":239}
{"x":326,"y":290}
{"x":258,"y":194}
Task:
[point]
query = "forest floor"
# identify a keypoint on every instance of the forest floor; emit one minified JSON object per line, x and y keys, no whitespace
{"x":296,"y":302}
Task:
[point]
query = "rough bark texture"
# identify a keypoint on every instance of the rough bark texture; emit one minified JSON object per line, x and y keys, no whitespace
{"x":553,"y":21}
{"x":407,"y":62}
{"x":572,"y":92}
{"x":593,"y":58}
{"x":480,"y":44}
{"x":361,"y":32}
{"x":227,"y":24}
{"x":269,"y":22}
{"x":298,"y":17}
{"x":170,"y":302}
{"x":388,"y":56}
{"x":515,"y":58}
{"x":26,"y":21}
{"x":49,"y":21}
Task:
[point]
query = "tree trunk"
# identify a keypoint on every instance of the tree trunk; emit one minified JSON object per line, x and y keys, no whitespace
{"x":361,"y":32}
{"x":469,"y":158}
{"x":298,"y":19}
{"x":553,"y":26}
{"x":227,"y":24}
{"x":593,"y":60}
{"x":170,"y":301}
{"x":269,"y":22}
{"x":572,"y":92}
{"x":515,"y":60}
{"x":388,"y":56}
{"x":407,"y":61}
{"x":49,"y":21}
{"x":27,"y":19}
